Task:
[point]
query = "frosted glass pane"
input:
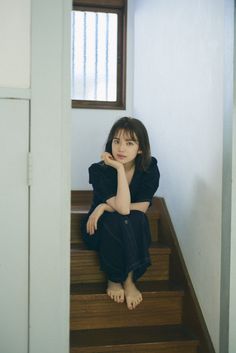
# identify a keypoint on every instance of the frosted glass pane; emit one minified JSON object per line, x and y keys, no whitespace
{"x":94,"y":56}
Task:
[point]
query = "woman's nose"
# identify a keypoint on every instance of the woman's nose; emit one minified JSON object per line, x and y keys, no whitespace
{"x":121,"y":146}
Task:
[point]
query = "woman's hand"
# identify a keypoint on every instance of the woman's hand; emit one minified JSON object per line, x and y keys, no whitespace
{"x":93,"y":219}
{"x":109,"y":160}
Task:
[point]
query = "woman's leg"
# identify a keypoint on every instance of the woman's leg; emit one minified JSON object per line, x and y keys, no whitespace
{"x":112,"y":257}
{"x":132,"y":295}
{"x":124,"y":254}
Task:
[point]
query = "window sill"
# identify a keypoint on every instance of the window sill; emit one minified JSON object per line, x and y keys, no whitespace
{"x":97,"y":105}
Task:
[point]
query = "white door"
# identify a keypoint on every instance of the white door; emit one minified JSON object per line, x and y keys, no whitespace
{"x":14,"y":218}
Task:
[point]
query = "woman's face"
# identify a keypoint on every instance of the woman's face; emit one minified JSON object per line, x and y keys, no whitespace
{"x":124,"y":149}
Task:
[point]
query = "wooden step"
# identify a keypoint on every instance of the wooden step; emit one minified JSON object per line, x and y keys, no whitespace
{"x":158,"y":339}
{"x":91,"y":308}
{"x":85,"y":264}
{"x":78,"y":211}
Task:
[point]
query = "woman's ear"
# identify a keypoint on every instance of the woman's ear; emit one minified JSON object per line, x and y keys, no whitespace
{"x":139,"y":152}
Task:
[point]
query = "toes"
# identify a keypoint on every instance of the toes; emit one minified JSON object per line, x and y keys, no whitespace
{"x":120,"y":298}
{"x":132,"y":303}
{"x":129,"y":304}
{"x":117,"y":297}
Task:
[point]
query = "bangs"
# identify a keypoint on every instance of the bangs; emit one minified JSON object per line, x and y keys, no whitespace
{"x":129,"y":134}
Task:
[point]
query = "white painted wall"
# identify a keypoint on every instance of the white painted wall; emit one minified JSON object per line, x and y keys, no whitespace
{"x":90,"y":127}
{"x":232,"y":306}
{"x":14,"y":232}
{"x":227,"y":301}
{"x":178,"y":93}
{"x":15,"y":43}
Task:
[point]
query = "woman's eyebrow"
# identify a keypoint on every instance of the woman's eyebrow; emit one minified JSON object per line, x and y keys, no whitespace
{"x":127,"y":139}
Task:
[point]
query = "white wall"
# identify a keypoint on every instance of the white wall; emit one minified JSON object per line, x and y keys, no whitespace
{"x":227,"y":258}
{"x":14,"y":230}
{"x":178,"y":93}
{"x":15,"y":43}
{"x":232,"y":307}
{"x":90,"y":127}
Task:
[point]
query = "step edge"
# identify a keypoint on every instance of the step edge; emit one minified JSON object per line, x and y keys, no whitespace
{"x":154,"y":248}
{"x":150,"y":294}
{"x":189,"y":341}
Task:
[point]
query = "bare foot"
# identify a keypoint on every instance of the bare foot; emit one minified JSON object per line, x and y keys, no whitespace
{"x":132,"y":294}
{"x":115,"y":291}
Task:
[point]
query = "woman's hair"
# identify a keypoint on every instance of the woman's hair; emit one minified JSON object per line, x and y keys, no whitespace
{"x":137,"y":131}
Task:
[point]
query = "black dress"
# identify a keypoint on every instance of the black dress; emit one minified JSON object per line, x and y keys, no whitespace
{"x":122,"y":241}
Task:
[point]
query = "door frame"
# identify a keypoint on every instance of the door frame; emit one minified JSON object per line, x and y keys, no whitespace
{"x":49,"y":266}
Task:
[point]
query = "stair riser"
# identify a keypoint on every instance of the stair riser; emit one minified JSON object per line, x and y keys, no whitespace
{"x":85,"y":267}
{"x":76,"y":234}
{"x":92,"y":312}
{"x":163,"y":347}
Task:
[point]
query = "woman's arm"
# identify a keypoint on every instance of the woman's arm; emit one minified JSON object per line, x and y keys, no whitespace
{"x":95,"y":215}
{"x":140,"y":206}
{"x":120,"y":202}
{"x":108,"y":208}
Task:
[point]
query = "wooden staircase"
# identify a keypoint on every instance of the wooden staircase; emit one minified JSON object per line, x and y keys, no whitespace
{"x":159,"y":324}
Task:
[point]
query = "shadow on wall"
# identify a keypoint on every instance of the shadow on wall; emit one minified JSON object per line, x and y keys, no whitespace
{"x":197,"y":221}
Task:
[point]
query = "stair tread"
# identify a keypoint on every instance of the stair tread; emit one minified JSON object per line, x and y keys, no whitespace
{"x":130,"y":335}
{"x":147,"y":288}
{"x":156,"y":247}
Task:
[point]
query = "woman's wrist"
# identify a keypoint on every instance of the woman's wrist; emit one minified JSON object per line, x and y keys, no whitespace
{"x":120,"y":168}
{"x":108,"y":208}
{"x":102,"y":206}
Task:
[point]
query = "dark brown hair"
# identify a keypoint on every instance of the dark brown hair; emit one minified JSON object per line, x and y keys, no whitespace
{"x":137,"y":131}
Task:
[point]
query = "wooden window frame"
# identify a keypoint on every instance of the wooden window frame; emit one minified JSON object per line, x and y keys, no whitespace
{"x":119,"y":7}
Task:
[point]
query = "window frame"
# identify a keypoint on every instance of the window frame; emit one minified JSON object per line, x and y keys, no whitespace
{"x":112,"y":6}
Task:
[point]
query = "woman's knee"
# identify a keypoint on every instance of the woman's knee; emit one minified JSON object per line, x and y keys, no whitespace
{"x":113,"y":216}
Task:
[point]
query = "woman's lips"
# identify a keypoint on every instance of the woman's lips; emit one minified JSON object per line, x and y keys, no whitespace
{"x":121,"y":156}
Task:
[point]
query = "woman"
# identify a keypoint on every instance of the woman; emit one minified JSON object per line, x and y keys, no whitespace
{"x":116,"y":226}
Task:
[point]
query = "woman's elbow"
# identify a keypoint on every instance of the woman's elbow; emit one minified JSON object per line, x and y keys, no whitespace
{"x":121,"y":208}
{"x":124,"y":211}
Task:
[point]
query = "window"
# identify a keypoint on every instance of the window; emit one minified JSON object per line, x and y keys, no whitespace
{"x":98,"y":54}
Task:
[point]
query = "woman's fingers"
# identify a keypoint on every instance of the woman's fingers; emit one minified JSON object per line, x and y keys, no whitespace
{"x":91,"y":228}
{"x":107,"y":157}
{"x":91,"y":225}
{"x":92,"y":222}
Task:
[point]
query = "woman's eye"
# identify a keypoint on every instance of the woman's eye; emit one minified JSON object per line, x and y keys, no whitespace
{"x":130,"y":143}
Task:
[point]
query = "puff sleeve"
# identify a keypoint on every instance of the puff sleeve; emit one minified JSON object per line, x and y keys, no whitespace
{"x":149,"y":183}
{"x":103,"y":180}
